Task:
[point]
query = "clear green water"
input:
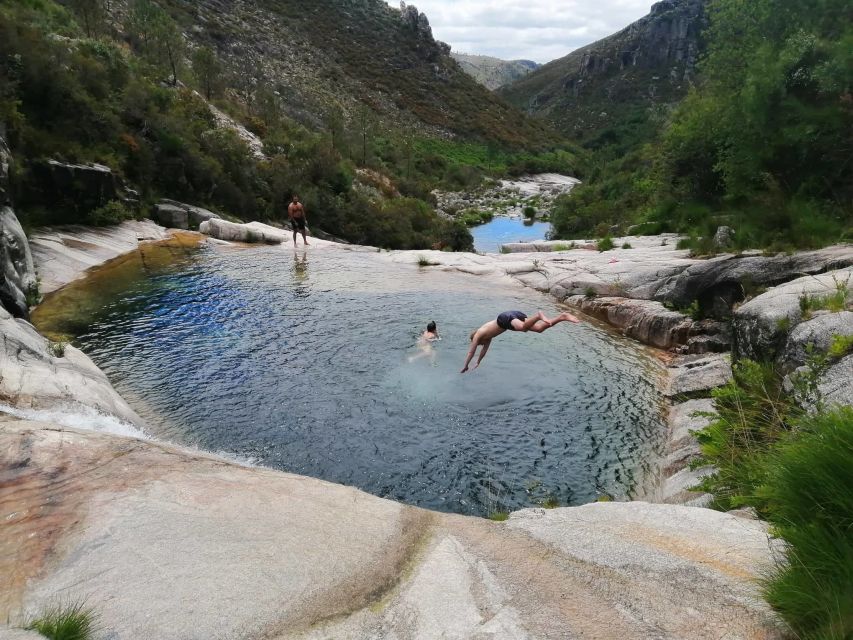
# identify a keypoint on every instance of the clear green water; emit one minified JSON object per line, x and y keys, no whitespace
{"x":301,"y":362}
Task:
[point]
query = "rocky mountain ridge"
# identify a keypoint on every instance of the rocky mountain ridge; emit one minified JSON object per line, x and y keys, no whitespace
{"x":325,"y":60}
{"x":649,"y":63}
{"x":494,"y":73}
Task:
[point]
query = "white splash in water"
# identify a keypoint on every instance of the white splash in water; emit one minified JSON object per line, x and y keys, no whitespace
{"x":76,"y":416}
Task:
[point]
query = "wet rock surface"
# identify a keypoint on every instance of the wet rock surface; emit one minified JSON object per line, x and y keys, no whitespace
{"x":36,"y":374}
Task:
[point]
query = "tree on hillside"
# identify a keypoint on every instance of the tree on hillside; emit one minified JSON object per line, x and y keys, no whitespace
{"x":335,"y":124}
{"x":366,"y":127}
{"x":140,"y":24}
{"x":91,"y":12}
{"x":169,"y":43}
{"x":208,"y":71}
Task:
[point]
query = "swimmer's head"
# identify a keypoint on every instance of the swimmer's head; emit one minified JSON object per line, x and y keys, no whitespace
{"x":431,"y":327}
{"x":471,"y":337}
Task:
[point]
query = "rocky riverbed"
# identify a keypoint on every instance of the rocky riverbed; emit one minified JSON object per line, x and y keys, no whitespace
{"x":141,"y":528}
{"x":508,"y":197}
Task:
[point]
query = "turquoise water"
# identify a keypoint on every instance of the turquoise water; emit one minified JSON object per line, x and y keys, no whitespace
{"x":303,"y":362}
{"x":489,"y":237}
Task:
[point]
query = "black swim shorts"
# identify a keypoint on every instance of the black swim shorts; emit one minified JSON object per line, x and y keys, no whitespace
{"x":506,"y":318}
{"x":297,"y":224}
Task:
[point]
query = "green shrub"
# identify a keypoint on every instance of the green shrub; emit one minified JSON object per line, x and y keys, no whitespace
{"x":473,"y":217}
{"x":753,"y":412}
{"x":605,"y":244}
{"x":810,"y":503}
{"x":841,"y":346}
{"x":529,"y":212}
{"x":73,"y":622}
{"x":627,"y":245}
{"x":562,"y":246}
{"x":114,"y":212}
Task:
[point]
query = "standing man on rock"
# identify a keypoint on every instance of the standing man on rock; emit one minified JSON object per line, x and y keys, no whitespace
{"x":296,"y":215}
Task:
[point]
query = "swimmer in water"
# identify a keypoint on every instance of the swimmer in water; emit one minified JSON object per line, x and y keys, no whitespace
{"x":425,"y":343}
{"x":510,"y":321}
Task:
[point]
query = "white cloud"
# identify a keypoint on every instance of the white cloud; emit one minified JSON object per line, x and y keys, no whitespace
{"x":539,"y":30}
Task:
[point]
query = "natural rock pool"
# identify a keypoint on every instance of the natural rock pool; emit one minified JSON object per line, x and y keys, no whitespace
{"x":301,"y":361}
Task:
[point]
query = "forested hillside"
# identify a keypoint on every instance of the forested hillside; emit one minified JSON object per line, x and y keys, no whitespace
{"x":762,"y":143}
{"x":326,"y":87}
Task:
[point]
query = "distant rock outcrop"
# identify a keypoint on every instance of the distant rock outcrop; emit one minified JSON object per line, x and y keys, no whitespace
{"x":650,"y":62}
{"x":494,"y":73}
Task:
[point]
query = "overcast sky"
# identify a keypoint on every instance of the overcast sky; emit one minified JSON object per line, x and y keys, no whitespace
{"x":539,"y":30}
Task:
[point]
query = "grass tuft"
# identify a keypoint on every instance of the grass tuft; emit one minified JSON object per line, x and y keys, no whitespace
{"x":65,"y":622}
{"x":835,"y":301}
{"x":811,"y":505}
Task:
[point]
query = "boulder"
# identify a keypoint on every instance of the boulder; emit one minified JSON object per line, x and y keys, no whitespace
{"x":249,"y":233}
{"x":836,"y":384}
{"x":171,"y":216}
{"x":195,"y":215}
{"x":724,"y":238}
{"x":720,"y":282}
{"x":761,"y":326}
{"x":685,"y":419}
{"x":644,"y":320}
{"x":16,"y":261}
{"x":679,"y":487}
{"x":698,"y":374}
{"x":88,"y":185}
{"x":815,"y":334}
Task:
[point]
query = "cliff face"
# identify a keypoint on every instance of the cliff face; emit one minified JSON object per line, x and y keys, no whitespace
{"x":650,"y":62}
{"x":16,"y":262}
{"x":494,"y":73}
